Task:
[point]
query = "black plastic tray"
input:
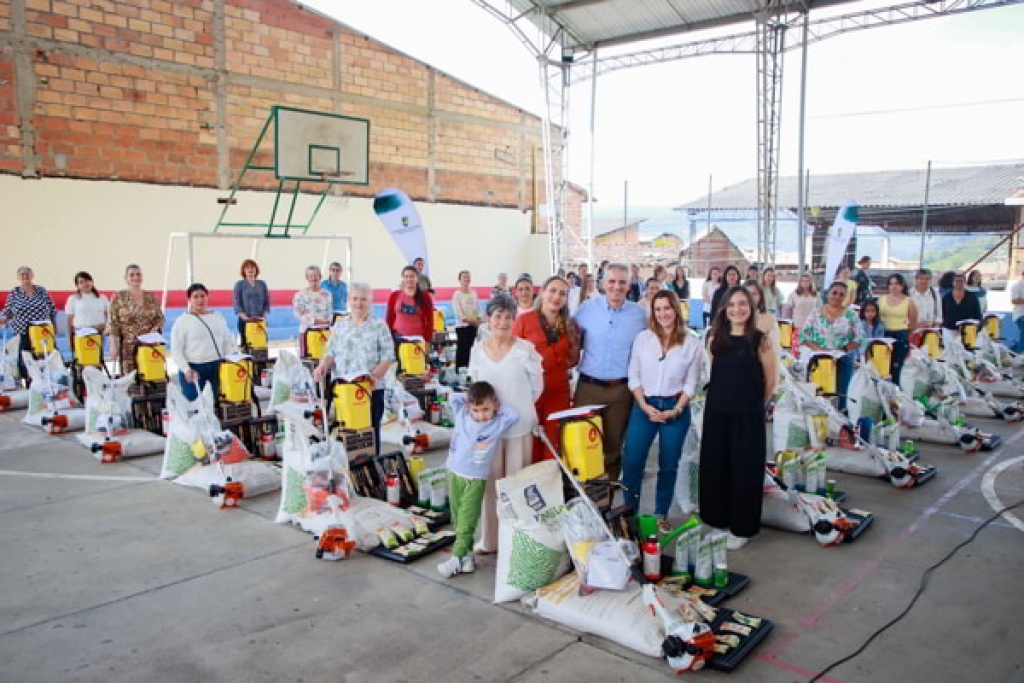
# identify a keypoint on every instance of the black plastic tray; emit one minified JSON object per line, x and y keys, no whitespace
{"x":737,"y":582}
{"x":384,"y":553}
{"x":994,"y":442}
{"x":866,"y":520}
{"x":729,"y":662}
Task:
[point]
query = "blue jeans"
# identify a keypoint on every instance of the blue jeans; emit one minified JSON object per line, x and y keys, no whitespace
{"x":207,"y":375}
{"x":1018,"y":346}
{"x":640,"y":433}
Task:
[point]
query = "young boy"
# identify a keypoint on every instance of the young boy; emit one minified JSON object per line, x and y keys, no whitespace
{"x":480,"y":422}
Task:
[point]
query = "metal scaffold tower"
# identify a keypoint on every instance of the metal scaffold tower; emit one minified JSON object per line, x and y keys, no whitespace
{"x":771,"y":41}
{"x":583,"y":27}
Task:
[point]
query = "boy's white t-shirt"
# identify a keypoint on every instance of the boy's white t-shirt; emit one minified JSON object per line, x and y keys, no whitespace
{"x":89,"y":311}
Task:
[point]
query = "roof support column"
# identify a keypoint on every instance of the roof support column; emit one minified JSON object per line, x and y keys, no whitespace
{"x":771,"y":34}
{"x":801,"y":188}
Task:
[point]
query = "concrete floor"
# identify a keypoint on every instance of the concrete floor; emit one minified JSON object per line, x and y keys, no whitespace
{"x":139,"y":580}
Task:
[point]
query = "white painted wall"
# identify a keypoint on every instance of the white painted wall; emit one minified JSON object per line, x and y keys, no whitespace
{"x":60,"y":226}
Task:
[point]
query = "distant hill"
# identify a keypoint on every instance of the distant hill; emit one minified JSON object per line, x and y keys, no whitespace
{"x":942,"y":252}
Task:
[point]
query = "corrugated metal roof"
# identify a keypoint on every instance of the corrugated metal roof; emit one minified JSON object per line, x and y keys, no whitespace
{"x":962,"y":186}
{"x":600,"y":23}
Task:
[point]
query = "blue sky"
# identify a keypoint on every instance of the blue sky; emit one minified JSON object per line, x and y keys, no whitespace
{"x":949,"y":90}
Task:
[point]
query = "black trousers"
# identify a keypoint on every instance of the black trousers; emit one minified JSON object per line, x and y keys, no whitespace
{"x":376,"y":415}
{"x":24,"y":344}
{"x":464,"y":338}
{"x":732,"y":457}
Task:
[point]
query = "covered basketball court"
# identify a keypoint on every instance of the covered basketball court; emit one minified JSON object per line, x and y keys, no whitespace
{"x":575,"y":41}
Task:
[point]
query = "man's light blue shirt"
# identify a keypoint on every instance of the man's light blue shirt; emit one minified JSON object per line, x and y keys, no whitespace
{"x":608,"y":336}
{"x":339,"y":294}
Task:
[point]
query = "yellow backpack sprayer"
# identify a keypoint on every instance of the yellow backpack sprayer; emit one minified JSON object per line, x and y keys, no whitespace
{"x":88,"y":348}
{"x":969,"y":333}
{"x":352,"y":399}
{"x":42,"y":338}
{"x":439,"y":324}
{"x":994,"y":326}
{"x":235,"y":376}
{"x":316,"y":341}
{"x":785,"y":333}
{"x":823,"y":372}
{"x":150,"y":359}
{"x":255,"y":337}
{"x":582,"y":441}
{"x":879,"y":354}
{"x":412,"y":356}
{"x":929,"y":339}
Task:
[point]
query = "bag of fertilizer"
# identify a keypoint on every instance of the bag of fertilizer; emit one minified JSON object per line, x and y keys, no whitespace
{"x":9,"y":372}
{"x":199,"y":453}
{"x":292,"y":384}
{"x":50,"y":393}
{"x":790,"y":429}
{"x":864,"y":400}
{"x":531,"y":548}
{"x":316,"y":485}
{"x":915,"y":377}
{"x":620,"y":616}
{"x":688,"y":475}
{"x":779,"y":511}
{"x":108,"y":417}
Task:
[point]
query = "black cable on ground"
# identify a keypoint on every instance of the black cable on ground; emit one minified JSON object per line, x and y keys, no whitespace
{"x":920,"y":590}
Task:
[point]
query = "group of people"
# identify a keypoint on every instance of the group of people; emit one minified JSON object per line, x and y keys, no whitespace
{"x":604,"y":339}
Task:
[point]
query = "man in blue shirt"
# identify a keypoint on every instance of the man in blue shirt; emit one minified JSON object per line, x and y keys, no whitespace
{"x":609,"y":324}
{"x":337,"y":287}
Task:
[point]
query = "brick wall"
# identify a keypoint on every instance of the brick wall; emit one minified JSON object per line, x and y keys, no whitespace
{"x":176,"y":92}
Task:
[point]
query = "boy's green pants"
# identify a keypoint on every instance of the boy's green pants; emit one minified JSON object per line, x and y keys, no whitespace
{"x":466,"y":497}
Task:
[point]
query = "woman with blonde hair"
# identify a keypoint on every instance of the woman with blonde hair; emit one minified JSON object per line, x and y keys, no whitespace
{"x":133,"y":312}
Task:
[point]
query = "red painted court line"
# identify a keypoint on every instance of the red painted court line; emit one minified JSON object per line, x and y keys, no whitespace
{"x":792,"y":668}
{"x":871,"y":565}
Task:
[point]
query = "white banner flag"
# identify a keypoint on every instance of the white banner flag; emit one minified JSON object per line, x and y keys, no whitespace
{"x":399,"y":215}
{"x":839,"y":236}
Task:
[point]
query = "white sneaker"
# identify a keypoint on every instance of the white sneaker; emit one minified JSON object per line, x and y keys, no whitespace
{"x":735,"y":542}
{"x":467,"y":566}
{"x":450,"y":567}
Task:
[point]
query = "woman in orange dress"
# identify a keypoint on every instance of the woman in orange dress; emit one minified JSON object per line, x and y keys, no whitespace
{"x":557,"y":339}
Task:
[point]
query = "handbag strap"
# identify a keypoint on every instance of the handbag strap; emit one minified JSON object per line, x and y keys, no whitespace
{"x":212,"y":337}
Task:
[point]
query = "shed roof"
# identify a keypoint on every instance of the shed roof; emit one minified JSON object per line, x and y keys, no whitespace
{"x":960,"y":186}
{"x":589,"y":24}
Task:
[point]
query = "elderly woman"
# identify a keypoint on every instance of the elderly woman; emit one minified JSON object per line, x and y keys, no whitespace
{"x":360,"y":343}
{"x":513,"y":367}
{"x":86,"y":308}
{"x":27,"y":303}
{"x":410,"y":311}
{"x":312,"y":305}
{"x":199,"y":340}
{"x":133,"y":312}
{"x":557,"y":339}
{"x":250,"y":297}
{"x":663,"y":368}
{"x":835,"y":327}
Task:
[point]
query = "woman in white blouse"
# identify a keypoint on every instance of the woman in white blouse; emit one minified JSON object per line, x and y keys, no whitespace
{"x":86,"y":307}
{"x":200,"y":338}
{"x":513,"y":366}
{"x":467,"y":317}
{"x":663,"y":369}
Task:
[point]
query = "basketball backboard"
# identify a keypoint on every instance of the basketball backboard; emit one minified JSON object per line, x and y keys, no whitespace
{"x":310,"y":145}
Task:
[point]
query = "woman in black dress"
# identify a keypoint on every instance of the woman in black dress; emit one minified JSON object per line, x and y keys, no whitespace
{"x":733,"y":448}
